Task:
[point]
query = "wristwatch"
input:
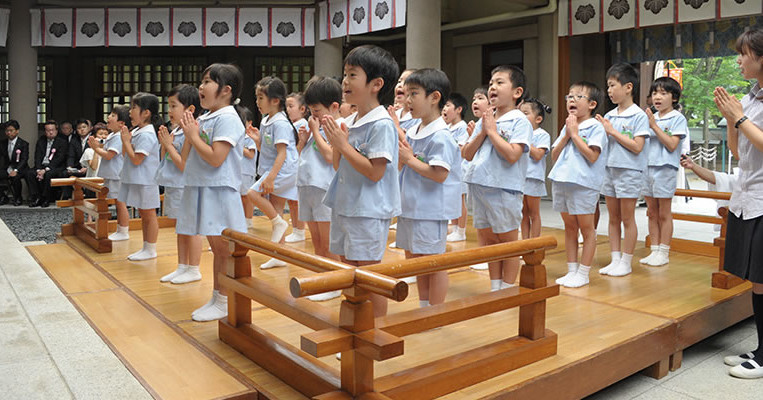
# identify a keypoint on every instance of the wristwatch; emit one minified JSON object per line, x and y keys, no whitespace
{"x":741,"y":120}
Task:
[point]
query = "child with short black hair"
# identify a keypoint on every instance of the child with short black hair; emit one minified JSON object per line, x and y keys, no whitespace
{"x":180,"y":99}
{"x":402,"y":111}
{"x":496,"y":174}
{"x":90,"y":160}
{"x":138,"y":188}
{"x":580,"y":153}
{"x":364,"y":194}
{"x":430,"y":181}
{"x":627,"y":130}
{"x":668,"y":128}
{"x":480,"y":104}
{"x":535,"y":183}
{"x":453,"y":114}
{"x":110,"y":168}
{"x":298,"y":113}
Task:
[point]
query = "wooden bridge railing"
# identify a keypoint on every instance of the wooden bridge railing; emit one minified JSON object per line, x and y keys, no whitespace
{"x":363,"y":339}
{"x":720,"y":279}
{"x":95,"y":234}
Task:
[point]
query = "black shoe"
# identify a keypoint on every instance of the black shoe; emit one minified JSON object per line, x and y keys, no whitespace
{"x":35,"y":203}
{"x":45,"y":204}
{"x":16,"y":202}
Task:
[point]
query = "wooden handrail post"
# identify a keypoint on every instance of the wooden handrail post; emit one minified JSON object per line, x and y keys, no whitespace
{"x":356,"y":315}
{"x":532,"y":317}
{"x":239,"y":266}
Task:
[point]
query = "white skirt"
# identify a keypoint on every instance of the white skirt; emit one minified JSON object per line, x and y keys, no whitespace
{"x":172,"y":202}
{"x":142,"y":197}
{"x":209,"y":210}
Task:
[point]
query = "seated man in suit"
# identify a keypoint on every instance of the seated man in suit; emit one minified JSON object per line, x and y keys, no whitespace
{"x":49,"y":162}
{"x":77,"y":146}
{"x":13,"y":162}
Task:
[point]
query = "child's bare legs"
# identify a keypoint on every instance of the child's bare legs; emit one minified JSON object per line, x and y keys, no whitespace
{"x":665,"y":234}
{"x":279,"y":229}
{"x":627,"y":215}
{"x":248,"y":209}
{"x":123,"y":223}
{"x":217,"y":307}
{"x":379,"y":302}
{"x":510,"y":266}
{"x":189,"y":258}
{"x":432,"y":287}
{"x":464,"y":213}
{"x":319,"y":234}
{"x":267,"y":206}
{"x":482,"y":241}
{"x":571,"y":229}
{"x":525,"y":218}
{"x":613,"y":207}
{"x":531,"y":212}
{"x":294,"y":213}
{"x":653,"y":215}
{"x":150,"y":234}
{"x":585,"y":223}
{"x":502,"y":273}
{"x":459,"y":234}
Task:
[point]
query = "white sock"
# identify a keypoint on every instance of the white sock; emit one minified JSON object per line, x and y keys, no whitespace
{"x":209,"y":303}
{"x":506,"y":285}
{"x":616,"y":255}
{"x":423,"y":303}
{"x":123,"y":229}
{"x":191,"y":274}
{"x":654,"y":248}
{"x":272,"y":263}
{"x":665,"y":249}
{"x":122,"y":233}
{"x":495,"y":284}
{"x":461,"y":231}
{"x":572,"y":268}
{"x":579,"y":279}
{"x":279,"y":228}
{"x":218,"y":309}
{"x":179,"y":271}
{"x":624,"y":268}
{"x":662,"y":257}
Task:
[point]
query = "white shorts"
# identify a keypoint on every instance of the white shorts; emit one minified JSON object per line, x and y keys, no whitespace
{"x":209,"y":210}
{"x":172,"y":202}
{"x":113,"y":185}
{"x":660,"y":182}
{"x":142,"y":197}
{"x":622,"y":183}
{"x":535,"y":188}
{"x":421,"y":236}
{"x":358,"y":238}
{"x":283,"y":186}
{"x":574,"y":199}
{"x":247,"y":181}
{"x":311,"y":207}
{"x":495,"y":208}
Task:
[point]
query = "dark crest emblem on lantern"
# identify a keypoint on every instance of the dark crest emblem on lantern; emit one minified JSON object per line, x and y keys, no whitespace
{"x":655,"y":6}
{"x":695,"y":4}
{"x":585,"y":13}
{"x":358,"y":15}
{"x":187,"y":28}
{"x":58,"y":29}
{"x":253,"y":28}
{"x":618,"y":8}
{"x":121,"y":28}
{"x":89,"y":29}
{"x":285,"y":28}
{"x":219,"y":28}
{"x":154,"y":28}
{"x":381,"y":9}
{"x":338,"y":19}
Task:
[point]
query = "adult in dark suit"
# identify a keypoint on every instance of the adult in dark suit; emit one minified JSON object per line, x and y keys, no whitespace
{"x":14,"y":154}
{"x":77,"y":146}
{"x":49,"y":162}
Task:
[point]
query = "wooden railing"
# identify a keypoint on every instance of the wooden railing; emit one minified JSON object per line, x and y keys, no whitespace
{"x":720,"y":279}
{"x":95,"y":234}
{"x":363,"y":339}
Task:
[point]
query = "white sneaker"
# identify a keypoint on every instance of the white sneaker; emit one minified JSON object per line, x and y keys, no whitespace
{"x":191,"y":274}
{"x":297,"y":235}
{"x":273,"y":263}
{"x":456,"y":236}
{"x":741,"y":371}
{"x":733,"y":361}
{"x":179,"y":271}
{"x":119,"y":236}
{"x":480,"y":266}
{"x":325,"y":296}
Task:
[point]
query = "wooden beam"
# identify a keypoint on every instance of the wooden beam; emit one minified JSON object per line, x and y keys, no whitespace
{"x":326,"y":342}
{"x":423,"y":319}
{"x":698,"y":218}
{"x":704,"y":194}
{"x":378,"y":345}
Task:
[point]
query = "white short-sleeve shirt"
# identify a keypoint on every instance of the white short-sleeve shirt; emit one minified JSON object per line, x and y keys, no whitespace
{"x":537,"y":169}
{"x":144,"y":141}
{"x":112,"y":169}
{"x":406,"y":121}
{"x":223,"y":125}
{"x":248,"y":165}
{"x":488,"y":168}
{"x":421,"y":197}
{"x":572,"y":167}
{"x":747,"y":197}
{"x":673,"y":124}
{"x":169,"y":175}
{"x":459,"y":132}
{"x":351,"y":194}
{"x":632,"y":122}
{"x":313,"y":169}
{"x":276,"y":130}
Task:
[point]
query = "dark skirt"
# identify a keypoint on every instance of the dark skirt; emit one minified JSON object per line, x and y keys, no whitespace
{"x":744,"y":248}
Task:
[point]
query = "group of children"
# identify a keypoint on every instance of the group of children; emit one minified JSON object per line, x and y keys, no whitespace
{"x":347,"y":164}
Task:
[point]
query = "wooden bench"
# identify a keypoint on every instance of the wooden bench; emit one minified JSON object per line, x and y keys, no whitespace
{"x":720,"y":279}
{"x":95,"y":234}
{"x":363,"y":339}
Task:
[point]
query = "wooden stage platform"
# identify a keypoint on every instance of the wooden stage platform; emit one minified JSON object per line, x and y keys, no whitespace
{"x":606,"y":331}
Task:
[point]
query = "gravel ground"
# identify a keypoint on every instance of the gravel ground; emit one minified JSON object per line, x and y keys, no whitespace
{"x":32,"y":224}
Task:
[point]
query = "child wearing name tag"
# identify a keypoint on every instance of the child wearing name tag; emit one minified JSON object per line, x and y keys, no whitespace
{"x":297,"y":111}
{"x":496,"y":174}
{"x":627,"y":130}
{"x":430,"y":181}
{"x":180,"y":99}
{"x":453,"y":115}
{"x":110,"y":168}
{"x":580,"y":155}
{"x":248,"y":165}
{"x":365,"y":192}
{"x":535,"y":184}
{"x":316,"y":170}
{"x":213,"y":152}
{"x":138,"y":188}
{"x":668,"y":128}
{"x":276,"y":142}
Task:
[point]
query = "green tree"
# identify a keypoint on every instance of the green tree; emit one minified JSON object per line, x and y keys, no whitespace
{"x":700,"y":77}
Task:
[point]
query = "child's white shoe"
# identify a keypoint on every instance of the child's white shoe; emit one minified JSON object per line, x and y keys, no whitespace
{"x":579,"y":279}
{"x":297,"y":235}
{"x":217,"y":310}
{"x":279,"y":228}
{"x":273,"y":263}
{"x":623,"y":268}
{"x":119,"y":236}
{"x":572,"y":269}
{"x":612,"y":265}
{"x":191,"y":274}
{"x":179,"y":271}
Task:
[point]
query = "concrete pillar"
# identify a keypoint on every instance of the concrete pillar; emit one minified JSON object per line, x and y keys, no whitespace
{"x":327,"y":57}
{"x":422,"y":34}
{"x":22,"y":70}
